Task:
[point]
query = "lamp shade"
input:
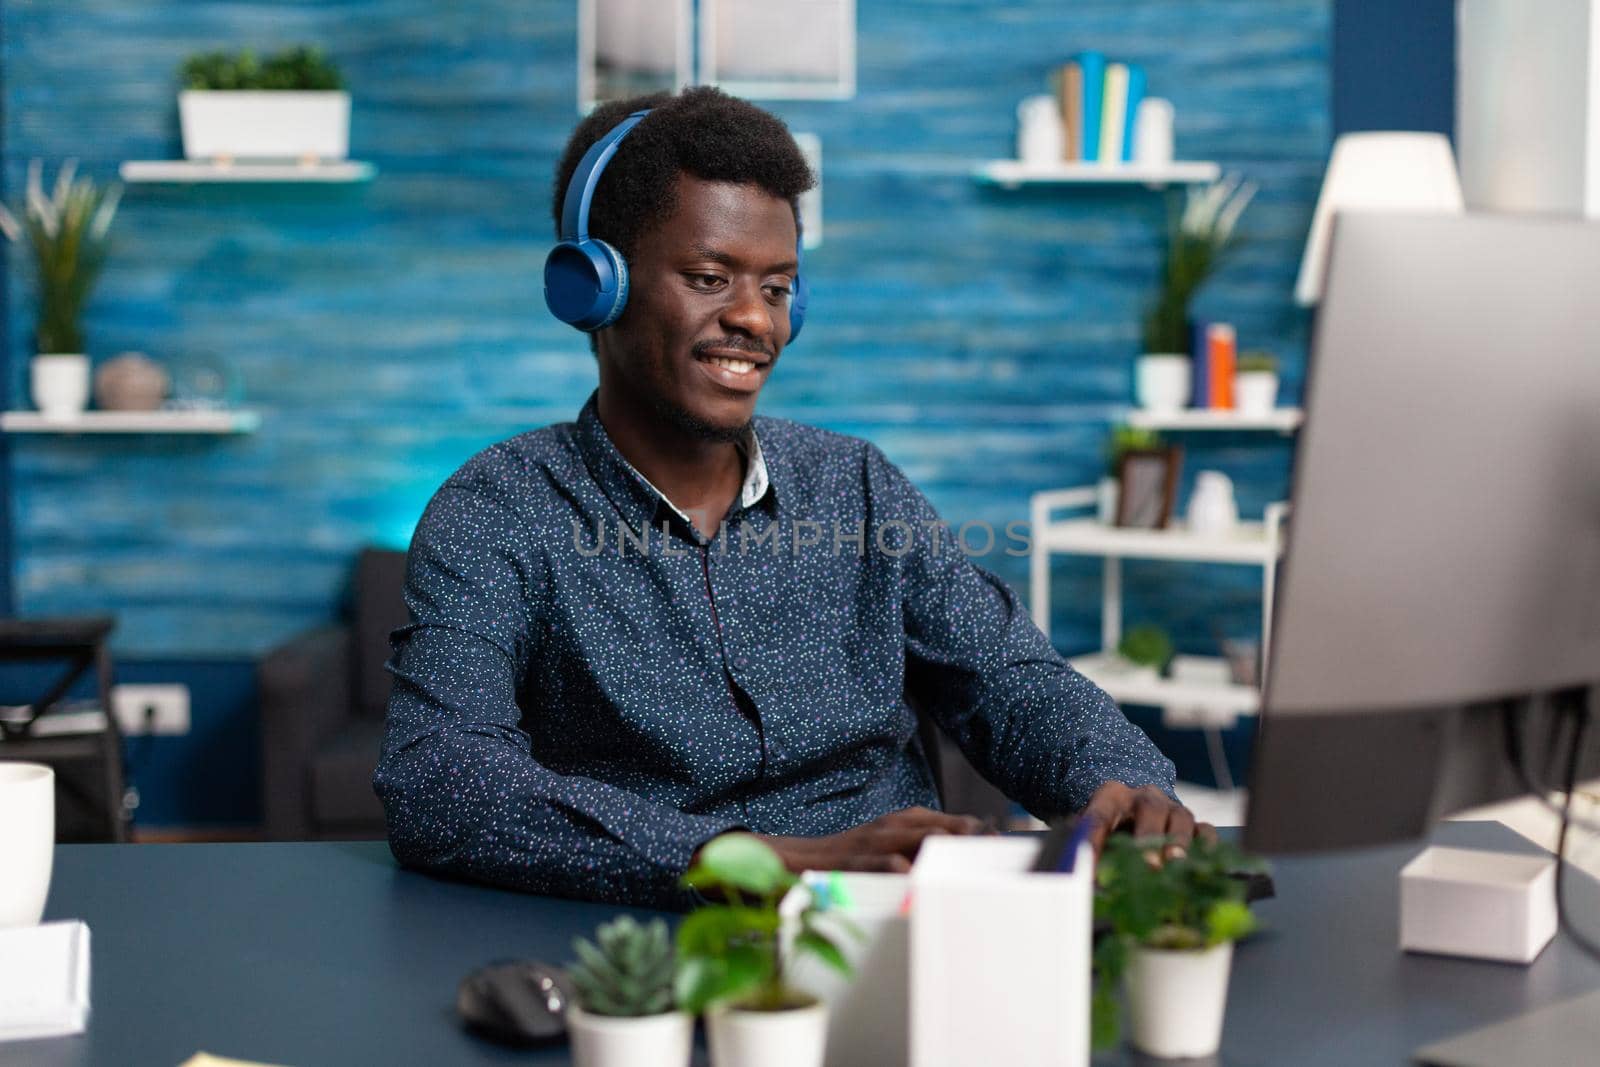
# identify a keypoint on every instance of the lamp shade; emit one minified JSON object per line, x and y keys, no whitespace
{"x":1410,"y":172}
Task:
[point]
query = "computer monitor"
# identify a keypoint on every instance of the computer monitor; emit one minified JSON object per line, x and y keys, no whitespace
{"x":1443,"y":550}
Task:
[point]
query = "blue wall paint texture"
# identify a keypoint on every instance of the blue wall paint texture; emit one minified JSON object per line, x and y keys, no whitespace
{"x":983,"y":338}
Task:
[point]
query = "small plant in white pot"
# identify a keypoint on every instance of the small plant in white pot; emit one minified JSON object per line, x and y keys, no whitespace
{"x":1145,"y":652}
{"x":731,"y":963}
{"x":1170,"y":943}
{"x":289,"y":106}
{"x":68,"y":233}
{"x":1197,"y":238}
{"x":1256,"y":383}
{"x":625,"y":1014}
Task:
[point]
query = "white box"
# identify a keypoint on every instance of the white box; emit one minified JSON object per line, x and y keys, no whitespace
{"x":999,"y":955}
{"x":44,"y":981}
{"x":1485,"y":905}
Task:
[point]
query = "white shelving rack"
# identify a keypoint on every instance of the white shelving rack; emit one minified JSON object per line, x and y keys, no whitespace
{"x":130,"y":422}
{"x":1064,"y":523}
{"x":1013,"y":173}
{"x":1284,"y":420}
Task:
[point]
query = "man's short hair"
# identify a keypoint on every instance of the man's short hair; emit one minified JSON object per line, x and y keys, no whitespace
{"x":701,"y":131}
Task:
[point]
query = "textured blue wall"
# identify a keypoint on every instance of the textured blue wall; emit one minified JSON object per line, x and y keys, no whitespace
{"x":983,"y":338}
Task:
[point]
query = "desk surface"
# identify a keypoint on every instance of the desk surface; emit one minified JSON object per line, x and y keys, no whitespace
{"x":310,"y":954}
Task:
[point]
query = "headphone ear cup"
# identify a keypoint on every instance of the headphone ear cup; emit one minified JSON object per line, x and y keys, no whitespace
{"x":797,"y":306}
{"x":585,"y":283}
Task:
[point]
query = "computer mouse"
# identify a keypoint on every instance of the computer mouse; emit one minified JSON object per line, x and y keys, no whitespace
{"x":516,"y":1002}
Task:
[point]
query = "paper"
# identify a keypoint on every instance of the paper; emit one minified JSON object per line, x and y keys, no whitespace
{"x":44,"y":980}
{"x":206,"y":1059}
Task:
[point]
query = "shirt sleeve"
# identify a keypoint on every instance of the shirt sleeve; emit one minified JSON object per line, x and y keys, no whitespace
{"x":461,"y":790}
{"x":1040,"y":731}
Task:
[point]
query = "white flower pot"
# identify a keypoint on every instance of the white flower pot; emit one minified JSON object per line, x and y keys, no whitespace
{"x":794,"y":1038}
{"x":1255,"y":392}
{"x":1176,"y":1000}
{"x":27,"y":840}
{"x":646,"y":1041}
{"x":1164,"y":382}
{"x":59,"y":383}
{"x":250,"y":124}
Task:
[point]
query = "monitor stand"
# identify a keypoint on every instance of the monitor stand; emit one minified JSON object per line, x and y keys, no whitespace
{"x":1557,"y":1036}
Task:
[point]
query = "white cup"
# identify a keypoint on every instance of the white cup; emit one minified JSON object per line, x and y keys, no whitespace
{"x":27,"y":840}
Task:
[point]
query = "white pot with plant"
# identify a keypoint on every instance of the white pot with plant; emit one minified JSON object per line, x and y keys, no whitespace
{"x":732,"y":963}
{"x":1173,"y":922}
{"x":625,"y":1015}
{"x":289,"y":106}
{"x":1196,"y":240}
{"x":68,"y":235}
{"x":1143,"y":653}
{"x":1255,"y":389}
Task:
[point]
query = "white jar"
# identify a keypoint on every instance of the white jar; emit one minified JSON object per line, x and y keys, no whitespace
{"x":1212,"y":507}
{"x":1041,"y":142}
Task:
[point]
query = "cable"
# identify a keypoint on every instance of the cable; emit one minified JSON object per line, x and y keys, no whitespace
{"x":1513,"y":742}
{"x":1580,"y":714}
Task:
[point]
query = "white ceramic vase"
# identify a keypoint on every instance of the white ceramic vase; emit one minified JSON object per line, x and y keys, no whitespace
{"x":275,"y":124}
{"x":646,"y":1041}
{"x":1163,"y":382}
{"x":1177,"y":999}
{"x":1256,"y":392}
{"x":59,"y":383}
{"x":1213,"y":511}
{"x":27,"y":840}
{"x":794,"y":1038}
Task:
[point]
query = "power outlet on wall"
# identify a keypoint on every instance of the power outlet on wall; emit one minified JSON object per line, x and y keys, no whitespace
{"x":164,"y":707}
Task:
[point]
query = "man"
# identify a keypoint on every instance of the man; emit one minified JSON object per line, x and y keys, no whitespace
{"x":673,"y":619}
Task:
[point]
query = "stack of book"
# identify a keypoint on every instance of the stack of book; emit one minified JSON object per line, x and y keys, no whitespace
{"x":1099,"y":101}
{"x":1216,"y":355}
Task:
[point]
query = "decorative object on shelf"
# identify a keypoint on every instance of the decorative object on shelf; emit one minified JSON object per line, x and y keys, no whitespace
{"x":1123,"y":439}
{"x":290,"y":106}
{"x":1147,"y":482}
{"x":1213,"y":511}
{"x":733,"y":965}
{"x":1197,"y":239}
{"x":817,"y":60}
{"x":1152,"y":132}
{"x":1244,"y":659}
{"x":1172,"y":929}
{"x":68,"y":233}
{"x":1039,"y":133}
{"x":624,"y":1015}
{"x":130,"y":381}
{"x":202,"y":381}
{"x":1146,"y":648}
{"x":1409,"y":172}
{"x":1256,"y":385}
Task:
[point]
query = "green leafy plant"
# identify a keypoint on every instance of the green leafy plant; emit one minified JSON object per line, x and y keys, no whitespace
{"x":67,"y":233}
{"x":1187,"y":903}
{"x":1125,"y":439}
{"x":303,"y":68}
{"x":731,"y":953}
{"x":1197,"y":239}
{"x":629,"y":973}
{"x":1147,"y":646}
{"x":1257,"y":363}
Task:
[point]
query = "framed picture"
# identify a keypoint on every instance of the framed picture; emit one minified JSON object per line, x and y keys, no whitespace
{"x":628,"y":47}
{"x":1148,"y":482}
{"x":794,"y":50}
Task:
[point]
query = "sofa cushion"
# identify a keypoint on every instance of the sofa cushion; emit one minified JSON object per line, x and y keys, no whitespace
{"x":379,"y":609}
{"x":341,"y":779}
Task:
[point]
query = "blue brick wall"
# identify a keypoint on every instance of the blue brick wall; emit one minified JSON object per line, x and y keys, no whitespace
{"x":983,"y":338}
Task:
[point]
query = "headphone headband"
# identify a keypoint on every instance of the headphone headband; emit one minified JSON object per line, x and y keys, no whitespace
{"x":580,"y":190}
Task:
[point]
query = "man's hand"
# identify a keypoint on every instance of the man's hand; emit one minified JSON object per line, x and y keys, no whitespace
{"x":888,"y":843}
{"x":1147,"y":812}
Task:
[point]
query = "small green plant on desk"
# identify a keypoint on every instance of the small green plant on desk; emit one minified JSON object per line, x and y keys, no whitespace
{"x":624,"y":1013}
{"x":1184,"y":909}
{"x":1146,"y":646}
{"x":304,"y":68}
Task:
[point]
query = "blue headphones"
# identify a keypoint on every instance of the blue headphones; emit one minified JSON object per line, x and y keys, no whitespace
{"x":585,"y":279}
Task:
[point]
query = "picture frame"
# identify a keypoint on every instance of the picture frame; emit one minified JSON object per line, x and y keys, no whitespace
{"x":628,"y":47}
{"x":798,"y":50}
{"x":1147,"y":485}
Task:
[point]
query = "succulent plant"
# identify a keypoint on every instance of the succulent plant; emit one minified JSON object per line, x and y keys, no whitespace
{"x":1148,"y":646}
{"x":1257,"y":363}
{"x":629,"y":973}
{"x":300,"y":68}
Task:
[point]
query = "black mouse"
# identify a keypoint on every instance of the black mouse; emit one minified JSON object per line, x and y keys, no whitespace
{"x":516,"y":1002}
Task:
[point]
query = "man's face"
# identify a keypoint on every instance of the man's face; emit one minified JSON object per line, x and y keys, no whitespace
{"x":708,"y":308}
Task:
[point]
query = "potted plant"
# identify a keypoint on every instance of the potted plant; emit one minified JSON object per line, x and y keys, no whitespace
{"x":1197,"y":237}
{"x":1123,"y":439}
{"x":624,"y":1015}
{"x":68,"y":234}
{"x":289,"y":106}
{"x":1146,"y":650}
{"x":733,"y":965}
{"x":1256,"y":383}
{"x":1169,"y":941}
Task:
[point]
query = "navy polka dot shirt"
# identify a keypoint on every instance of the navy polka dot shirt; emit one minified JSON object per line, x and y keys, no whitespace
{"x":590,"y":689}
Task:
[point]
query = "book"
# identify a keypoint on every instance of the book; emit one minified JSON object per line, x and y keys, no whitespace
{"x":1113,"y":116}
{"x":1199,"y":354}
{"x":1093,"y":67}
{"x":1222,"y":351}
{"x":1136,"y":86}
{"x":1071,"y":86}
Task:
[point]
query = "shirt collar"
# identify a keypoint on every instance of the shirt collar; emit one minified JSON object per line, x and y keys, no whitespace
{"x":632,"y":492}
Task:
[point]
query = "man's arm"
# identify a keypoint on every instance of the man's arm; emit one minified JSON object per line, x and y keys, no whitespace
{"x":1042,"y":732}
{"x":462,"y":793}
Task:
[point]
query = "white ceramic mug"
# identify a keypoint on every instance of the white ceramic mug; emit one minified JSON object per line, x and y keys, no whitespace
{"x":27,"y":840}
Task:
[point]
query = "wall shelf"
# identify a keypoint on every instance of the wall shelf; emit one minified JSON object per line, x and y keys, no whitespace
{"x":1013,"y":174}
{"x":1282,"y":420}
{"x":149,"y":422}
{"x":192,"y":171}
{"x":1198,"y":702}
